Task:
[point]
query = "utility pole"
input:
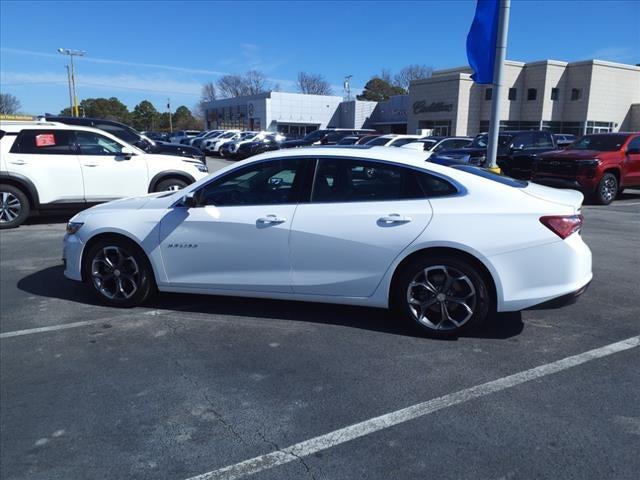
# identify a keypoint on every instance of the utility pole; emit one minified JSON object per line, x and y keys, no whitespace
{"x":70,"y":92}
{"x":498,"y":68}
{"x":347,"y":87}
{"x":73,"y":53}
{"x":170,"y":121}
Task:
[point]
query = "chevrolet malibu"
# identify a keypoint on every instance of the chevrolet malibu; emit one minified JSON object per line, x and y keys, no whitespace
{"x":442,"y":246}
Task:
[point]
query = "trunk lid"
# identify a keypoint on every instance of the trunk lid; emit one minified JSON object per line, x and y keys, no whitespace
{"x":566,"y":197}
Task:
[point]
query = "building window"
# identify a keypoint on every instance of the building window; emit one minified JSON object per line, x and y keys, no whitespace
{"x":576,"y":94}
{"x":532,"y":93}
{"x":555,"y":94}
{"x":487,"y":93}
{"x":513,"y":94}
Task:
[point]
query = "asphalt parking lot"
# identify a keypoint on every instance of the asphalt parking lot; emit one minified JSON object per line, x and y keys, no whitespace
{"x":188,"y":385}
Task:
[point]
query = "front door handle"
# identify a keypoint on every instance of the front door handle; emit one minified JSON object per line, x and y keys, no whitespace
{"x":394,"y":218}
{"x":271,"y":219}
{"x":18,"y":162}
{"x":90,"y":164}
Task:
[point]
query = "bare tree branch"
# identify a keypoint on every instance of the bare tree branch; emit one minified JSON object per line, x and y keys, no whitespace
{"x":9,"y":105}
{"x":411,"y":73}
{"x":313,"y":84}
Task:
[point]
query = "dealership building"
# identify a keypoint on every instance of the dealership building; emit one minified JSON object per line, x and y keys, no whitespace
{"x":577,"y":97}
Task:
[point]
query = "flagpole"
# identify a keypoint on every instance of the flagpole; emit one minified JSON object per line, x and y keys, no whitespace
{"x":498,"y":68}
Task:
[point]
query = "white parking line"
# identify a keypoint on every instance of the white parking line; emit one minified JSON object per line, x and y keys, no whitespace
{"x":337,"y":437}
{"x":52,"y":328}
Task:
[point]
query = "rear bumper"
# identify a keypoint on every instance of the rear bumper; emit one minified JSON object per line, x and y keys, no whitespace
{"x":542,"y":274}
{"x":562,"y":301}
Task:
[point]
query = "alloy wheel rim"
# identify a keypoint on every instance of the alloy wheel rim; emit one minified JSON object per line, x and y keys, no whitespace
{"x":173,"y":188}
{"x":115,"y":273}
{"x":441,"y":297}
{"x":10,"y":207}
{"x":608,"y":188}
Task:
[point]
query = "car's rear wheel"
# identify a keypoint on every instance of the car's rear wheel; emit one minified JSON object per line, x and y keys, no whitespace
{"x":119,"y":272}
{"x":14,"y":206}
{"x":444,"y":295}
{"x":607,"y":189}
{"x":171,"y":184}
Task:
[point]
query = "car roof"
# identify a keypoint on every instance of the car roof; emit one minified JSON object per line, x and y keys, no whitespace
{"x":15,"y":127}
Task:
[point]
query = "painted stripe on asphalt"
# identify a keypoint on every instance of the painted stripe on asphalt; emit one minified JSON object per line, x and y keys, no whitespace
{"x":346,"y":434}
{"x":52,"y":328}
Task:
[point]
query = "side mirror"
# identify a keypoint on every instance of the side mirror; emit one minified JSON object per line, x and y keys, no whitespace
{"x":189,"y":200}
{"x":127,"y":153}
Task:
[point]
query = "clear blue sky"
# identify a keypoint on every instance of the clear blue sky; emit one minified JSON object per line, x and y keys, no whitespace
{"x":153,"y":50}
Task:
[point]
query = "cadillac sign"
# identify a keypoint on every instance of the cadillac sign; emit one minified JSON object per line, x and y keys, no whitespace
{"x":422,"y":107}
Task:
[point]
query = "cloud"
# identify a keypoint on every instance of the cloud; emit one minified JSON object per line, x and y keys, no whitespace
{"x":614,"y":54}
{"x":249,"y":51}
{"x":148,"y":84}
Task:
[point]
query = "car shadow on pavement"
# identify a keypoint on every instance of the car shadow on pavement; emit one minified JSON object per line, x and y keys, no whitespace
{"x":51,"y":283}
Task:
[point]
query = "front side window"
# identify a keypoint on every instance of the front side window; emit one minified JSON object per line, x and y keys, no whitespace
{"x":95,"y":144}
{"x":379,"y":141}
{"x":45,"y":142}
{"x":346,"y":180}
{"x":542,"y":140}
{"x":524,"y":140}
{"x":266,"y":183}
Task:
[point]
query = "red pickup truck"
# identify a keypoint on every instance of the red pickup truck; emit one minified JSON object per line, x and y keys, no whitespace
{"x":600,"y":165}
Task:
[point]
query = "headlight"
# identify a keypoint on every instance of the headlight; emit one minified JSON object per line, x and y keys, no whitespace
{"x":73,"y":227}
{"x":590,"y":163}
{"x":202,"y":168}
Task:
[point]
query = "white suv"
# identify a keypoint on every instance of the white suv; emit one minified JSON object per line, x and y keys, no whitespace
{"x":47,"y":165}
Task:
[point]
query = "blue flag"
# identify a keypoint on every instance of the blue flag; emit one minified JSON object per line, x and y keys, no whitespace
{"x":481,"y":40}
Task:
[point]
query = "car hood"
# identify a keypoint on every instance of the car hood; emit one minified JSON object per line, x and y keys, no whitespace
{"x":571,"y":154}
{"x":129,"y":203}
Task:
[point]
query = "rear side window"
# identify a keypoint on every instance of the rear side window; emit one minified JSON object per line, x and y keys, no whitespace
{"x":346,"y":180}
{"x":44,"y":142}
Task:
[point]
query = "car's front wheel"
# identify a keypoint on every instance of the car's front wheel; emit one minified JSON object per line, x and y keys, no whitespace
{"x":607,"y":189}
{"x":119,"y":272}
{"x":443,"y":294}
{"x":14,"y":206}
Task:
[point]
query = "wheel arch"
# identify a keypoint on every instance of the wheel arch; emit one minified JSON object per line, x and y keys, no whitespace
{"x":167,"y":174}
{"x":118,"y":236}
{"x":484,"y":268}
{"x":613,"y":170}
{"x":24,"y":184}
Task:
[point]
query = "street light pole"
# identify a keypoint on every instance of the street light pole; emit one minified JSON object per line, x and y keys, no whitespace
{"x":73,"y":53}
{"x":70,"y":92}
{"x":501,"y":49}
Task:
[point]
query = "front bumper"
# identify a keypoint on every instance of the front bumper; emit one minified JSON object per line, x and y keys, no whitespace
{"x":72,"y":257}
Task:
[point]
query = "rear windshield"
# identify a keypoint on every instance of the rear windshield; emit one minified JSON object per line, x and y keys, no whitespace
{"x":481,"y":172}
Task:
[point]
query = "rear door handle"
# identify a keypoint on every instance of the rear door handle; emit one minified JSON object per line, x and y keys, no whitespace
{"x":90,"y":164}
{"x":272,"y":219}
{"x":18,"y":162}
{"x":394,"y":218}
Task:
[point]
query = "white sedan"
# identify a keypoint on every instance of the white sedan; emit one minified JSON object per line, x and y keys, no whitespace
{"x":443,"y":246}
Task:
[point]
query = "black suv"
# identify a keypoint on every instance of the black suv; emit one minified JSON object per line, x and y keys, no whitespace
{"x":517,"y":151}
{"x":324,"y":137}
{"x":131,"y":136}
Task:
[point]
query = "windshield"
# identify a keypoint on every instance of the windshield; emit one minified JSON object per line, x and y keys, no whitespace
{"x":402,"y":141}
{"x":227,"y":135}
{"x":380,"y":141}
{"x":247,"y":135}
{"x":600,"y":143}
{"x":428,"y":144}
{"x":314,"y":136}
{"x":481,"y":141}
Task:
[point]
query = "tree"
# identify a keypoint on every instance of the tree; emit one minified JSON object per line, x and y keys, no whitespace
{"x":9,"y":105}
{"x":107,"y":108}
{"x":411,"y":73}
{"x":231,"y":86}
{"x":183,"y":119}
{"x":255,"y":82}
{"x":144,"y":116}
{"x":313,"y":84}
{"x":208,"y":94}
{"x":377,"y":90}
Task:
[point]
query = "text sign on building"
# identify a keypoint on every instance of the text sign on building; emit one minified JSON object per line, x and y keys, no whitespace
{"x":421,"y":107}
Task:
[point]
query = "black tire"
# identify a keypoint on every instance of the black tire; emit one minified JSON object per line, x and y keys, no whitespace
{"x":170,"y":184}
{"x":607,"y":189}
{"x":467,"y":281}
{"x":136,"y":276}
{"x":14,"y":206}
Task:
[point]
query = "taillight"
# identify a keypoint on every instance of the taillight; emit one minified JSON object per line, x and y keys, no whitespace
{"x":562,"y":225}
